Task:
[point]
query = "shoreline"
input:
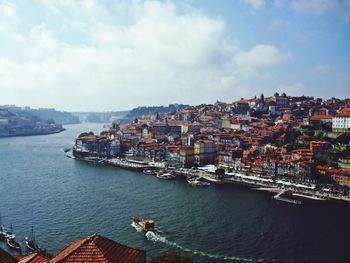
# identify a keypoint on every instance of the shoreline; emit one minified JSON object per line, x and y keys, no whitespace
{"x":33,"y":134}
{"x":252,"y":185}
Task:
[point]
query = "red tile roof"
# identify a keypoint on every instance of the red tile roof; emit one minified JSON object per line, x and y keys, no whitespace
{"x":6,"y":257}
{"x":320,"y":117}
{"x":345,"y":114}
{"x":34,"y":258}
{"x":98,"y":249}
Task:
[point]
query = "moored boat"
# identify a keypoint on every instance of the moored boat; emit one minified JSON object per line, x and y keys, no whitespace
{"x":5,"y":234}
{"x":143,"y":224}
{"x":30,"y":242}
{"x":12,"y":243}
{"x":150,"y":171}
{"x":197,"y":182}
{"x":166,"y":176}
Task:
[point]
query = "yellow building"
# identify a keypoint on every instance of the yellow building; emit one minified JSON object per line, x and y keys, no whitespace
{"x":342,"y":178}
{"x":187,"y":156}
{"x":204,"y":152}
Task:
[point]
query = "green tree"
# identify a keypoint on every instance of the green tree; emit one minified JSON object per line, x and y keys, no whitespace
{"x":220,"y":172}
{"x":326,"y":126}
{"x":86,"y":134}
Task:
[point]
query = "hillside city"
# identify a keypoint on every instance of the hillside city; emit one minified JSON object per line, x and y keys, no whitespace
{"x":23,"y":123}
{"x":298,"y":138}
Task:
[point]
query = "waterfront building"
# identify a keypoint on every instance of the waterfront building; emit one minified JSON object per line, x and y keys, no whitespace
{"x":341,"y":177}
{"x":187,"y":156}
{"x":204,"y":152}
{"x":99,"y":146}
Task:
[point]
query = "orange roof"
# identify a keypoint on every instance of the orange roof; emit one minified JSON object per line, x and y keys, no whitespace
{"x":89,"y":138}
{"x":343,"y":114}
{"x":98,"y":249}
{"x":320,"y":117}
{"x":345,"y":109}
{"x":34,"y":258}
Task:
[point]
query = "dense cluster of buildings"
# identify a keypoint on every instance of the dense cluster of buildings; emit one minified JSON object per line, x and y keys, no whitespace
{"x":269,"y":136}
{"x":15,"y":124}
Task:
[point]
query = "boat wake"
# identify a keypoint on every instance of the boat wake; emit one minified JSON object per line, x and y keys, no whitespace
{"x":155,"y":237}
{"x":137,"y":227}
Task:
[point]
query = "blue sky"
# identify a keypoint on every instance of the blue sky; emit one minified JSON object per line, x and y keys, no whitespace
{"x":114,"y":55}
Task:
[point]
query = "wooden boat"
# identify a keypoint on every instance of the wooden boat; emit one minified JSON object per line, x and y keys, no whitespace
{"x":12,"y":243}
{"x":31,"y":243}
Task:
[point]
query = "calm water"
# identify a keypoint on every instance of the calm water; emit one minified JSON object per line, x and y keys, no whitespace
{"x":66,"y":200}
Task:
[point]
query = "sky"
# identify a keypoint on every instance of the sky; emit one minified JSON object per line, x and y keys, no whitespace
{"x":104,"y":55}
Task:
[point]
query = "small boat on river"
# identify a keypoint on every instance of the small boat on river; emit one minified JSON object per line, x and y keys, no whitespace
{"x":143,"y":224}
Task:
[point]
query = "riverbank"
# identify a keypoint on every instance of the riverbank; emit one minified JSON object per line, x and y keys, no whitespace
{"x":32,"y":133}
{"x":252,"y":181}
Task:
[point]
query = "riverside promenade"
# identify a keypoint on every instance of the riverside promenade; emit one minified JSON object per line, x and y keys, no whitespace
{"x":252,"y":181}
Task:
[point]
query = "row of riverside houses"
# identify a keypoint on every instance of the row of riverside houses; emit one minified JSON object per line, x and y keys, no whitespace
{"x":273,"y":136}
{"x":91,"y":249}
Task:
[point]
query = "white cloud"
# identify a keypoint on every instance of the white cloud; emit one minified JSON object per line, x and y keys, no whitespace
{"x":159,"y":56}
{"x":261,"y":56}
{"x":255,"y":4}
{"x":8,"y":16}
{"x":8,"y":10}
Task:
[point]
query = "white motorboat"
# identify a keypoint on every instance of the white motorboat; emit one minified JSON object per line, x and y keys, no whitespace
{"x":197,"y":182}
{"x":166,"y":176}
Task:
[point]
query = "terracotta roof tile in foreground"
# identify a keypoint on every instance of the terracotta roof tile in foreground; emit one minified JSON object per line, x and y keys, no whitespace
{"x":6,"y":257}
{"x":99,"y":249}
{"x":34,"y":258}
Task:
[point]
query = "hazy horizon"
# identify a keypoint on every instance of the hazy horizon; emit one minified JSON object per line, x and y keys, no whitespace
{"x":113,"y":56}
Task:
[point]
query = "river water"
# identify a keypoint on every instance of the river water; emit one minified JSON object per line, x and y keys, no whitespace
{"x":65,"y":200}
